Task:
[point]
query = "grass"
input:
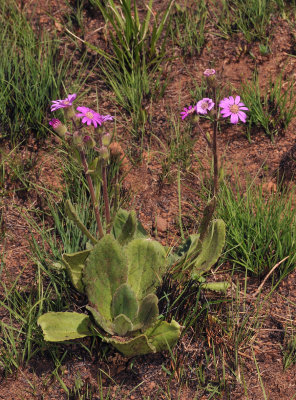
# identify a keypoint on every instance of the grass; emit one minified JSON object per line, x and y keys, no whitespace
{"x":253,"y":18}
{"x":260,"y":229}
{"x":187,"y":27}
{"x":272,"y":108}
{"x":31,"y":75}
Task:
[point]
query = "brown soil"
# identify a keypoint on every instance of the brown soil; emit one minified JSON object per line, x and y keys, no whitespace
{"x":154,"y":195}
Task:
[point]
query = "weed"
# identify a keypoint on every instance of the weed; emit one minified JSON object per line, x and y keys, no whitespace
{"x":259,"y":230}
{"x":271,"y":109}
{"x":30,"y":74}
{"x":188,"y":27}
{"x":251,"y":17}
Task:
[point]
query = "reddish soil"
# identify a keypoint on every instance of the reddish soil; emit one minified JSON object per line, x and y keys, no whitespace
{"x":156,"y":201}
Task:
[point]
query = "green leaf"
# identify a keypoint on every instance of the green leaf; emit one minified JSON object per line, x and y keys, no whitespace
{"x":122,"y":325}
{"x":148,"y":311}
{"x":216,"y":286}
{"x":72,"y":215}
{"x":75,"y":264}
{"x":104,"y":324}
{"x":105,"y":271}
{"x":164,"y":335}
{"x":128,"y":229}
{"x":146,"y":265}
{"x":124,"y":302}
{"x":60,"y":326}
{"x":132,"y":347}
{"x":119,"y":222}
{"x":211,"y":248}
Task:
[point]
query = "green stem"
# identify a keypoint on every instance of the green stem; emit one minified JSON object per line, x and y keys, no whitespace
{"x":92,"y":192}
{"x":180,"y":207}
{"x":106,"y":197}
{"x":214,"y":148}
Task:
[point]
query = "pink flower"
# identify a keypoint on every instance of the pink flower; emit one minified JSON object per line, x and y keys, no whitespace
{"x":58,"y":127}
{"x":104,"y":118}
{"x":233,"y":108}
{"x":63,"y":103}
{"x":209,"y":72}
{"x":187,"y":111}
{"x":55,"y":123}
{"x":204,"y":105}
{"x":89,"y":116}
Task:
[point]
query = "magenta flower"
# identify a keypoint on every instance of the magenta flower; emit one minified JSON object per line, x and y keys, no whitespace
{"x":89,"y":116}
{"x":187,"y":111}
{"x":55,"y":123}
{"x":58,"y":127}
{"x":63,"y":103}
{"x":204,"y":105}
{"x":233,"y":108}
{"x":209,"y":72}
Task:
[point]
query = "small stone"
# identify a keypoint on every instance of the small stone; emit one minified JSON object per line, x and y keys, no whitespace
{"x":161,"y":224}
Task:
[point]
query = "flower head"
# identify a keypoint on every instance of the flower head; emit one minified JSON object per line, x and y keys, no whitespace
{"x":204,"y":105}
{"x":63,"y":103}
{"x":187,"y":111}
{"x":209,"y":72}
{"x":233,"y":108}
{"x":58,"y":127}
{"x":89,"y":116}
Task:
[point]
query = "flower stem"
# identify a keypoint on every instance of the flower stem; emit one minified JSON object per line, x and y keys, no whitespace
{"x":92,"y":192}
{"x":106,"y":197}
{"x":214,"y":148}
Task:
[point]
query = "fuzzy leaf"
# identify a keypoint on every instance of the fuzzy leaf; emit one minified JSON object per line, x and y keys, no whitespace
{"x":216,"y":286}
{"x":122,"y":325}
{"x":119,"y":222}
{"x":148,"y":311}
{"x":146,"y":265}
{"x":164,"y":335}
{"x":75,"y":264}
{"x":73,"y":216}
{"x":124,"y":302}
{"x":105,"y":271}
{"x":132,"y":347}
{"x":104,"y":324}
{"x":211,"y":248}
{"x":60,"y":326}
{"x":128,"y":229}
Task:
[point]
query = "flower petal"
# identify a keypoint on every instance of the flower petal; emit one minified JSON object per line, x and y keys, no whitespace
{"x":237,"y":100}
{"x":242,"y":116}
{"x":231,"y":100}
{"x":225,"y":113}
{"x":234,"y":118}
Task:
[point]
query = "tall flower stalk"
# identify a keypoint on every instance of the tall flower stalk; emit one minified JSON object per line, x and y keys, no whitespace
{"x":230,"y":107}
{"x":97,"y":141}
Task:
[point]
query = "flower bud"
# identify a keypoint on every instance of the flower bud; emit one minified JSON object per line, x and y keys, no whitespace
{"x":89,"y":142}
{"x":210,"y":75}
{"x":77,"y":139}
{"x":69,"y":112}
{"x":104,"y":153}
{"x":58,"y":127}
{"x":99,"y":130}
{"x":195,"y":118}
{"x":106,"y":139}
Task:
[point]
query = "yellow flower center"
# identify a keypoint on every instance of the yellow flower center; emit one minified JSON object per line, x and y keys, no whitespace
{"x":66,"y":102}
{"x":89,"y":115}
{"x":234,"y":109}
